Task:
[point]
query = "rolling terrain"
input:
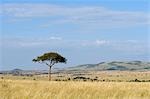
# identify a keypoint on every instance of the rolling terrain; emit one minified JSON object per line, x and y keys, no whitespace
{"x":106,"y":80}
{"x":115,"y":71}
{"x":114,"y":65}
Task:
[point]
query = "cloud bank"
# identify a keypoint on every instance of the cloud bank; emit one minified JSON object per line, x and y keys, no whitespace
{"x":134,"y":46}
{"x":82,"y":15}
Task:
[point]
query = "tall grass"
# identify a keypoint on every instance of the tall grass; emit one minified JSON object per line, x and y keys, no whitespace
{"x":28,"y":89}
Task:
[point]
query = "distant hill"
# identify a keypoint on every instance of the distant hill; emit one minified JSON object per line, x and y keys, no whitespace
{"x":103,"y":66}
{"x":114,"y":65}
{"x":27,"y":72}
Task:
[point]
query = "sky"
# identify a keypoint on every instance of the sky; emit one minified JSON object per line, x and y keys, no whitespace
{"x":83,"y":31}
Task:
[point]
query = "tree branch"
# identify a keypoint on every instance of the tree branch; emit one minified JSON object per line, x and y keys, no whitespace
{"x":50,"y":64}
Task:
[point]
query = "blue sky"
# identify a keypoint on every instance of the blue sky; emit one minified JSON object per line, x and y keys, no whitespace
{"x":84,"y":31}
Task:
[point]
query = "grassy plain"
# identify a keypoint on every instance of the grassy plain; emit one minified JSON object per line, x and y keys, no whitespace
{"x":104,"y":76}
{"x":29,"y":89}
{"x":109,"y":85}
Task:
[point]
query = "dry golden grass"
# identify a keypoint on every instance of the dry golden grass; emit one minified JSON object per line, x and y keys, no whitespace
{"x":29,"y":89}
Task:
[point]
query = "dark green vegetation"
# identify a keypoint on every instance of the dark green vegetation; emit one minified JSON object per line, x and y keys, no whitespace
{"x":50,"y":59}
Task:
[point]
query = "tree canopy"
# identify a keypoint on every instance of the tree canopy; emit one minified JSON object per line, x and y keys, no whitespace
{"x":50,"y":59}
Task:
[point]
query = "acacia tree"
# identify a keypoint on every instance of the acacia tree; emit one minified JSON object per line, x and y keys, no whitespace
{"x":50,"y":59}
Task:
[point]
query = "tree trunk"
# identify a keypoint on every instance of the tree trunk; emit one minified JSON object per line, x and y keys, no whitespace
{"x":49,"y":73}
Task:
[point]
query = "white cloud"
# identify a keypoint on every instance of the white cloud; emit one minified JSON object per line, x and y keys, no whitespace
{"x":129,"y":46}
{"x":92,"y":43}
{"x":30,"y":42}
{"x":132,"y":46}
{"x":83,"y":15}
{"x":101,"y":42}
{"x":132,"y":41}
{"x":55,"y":38}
